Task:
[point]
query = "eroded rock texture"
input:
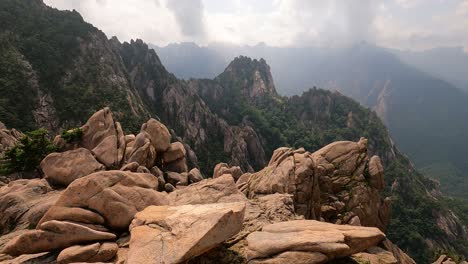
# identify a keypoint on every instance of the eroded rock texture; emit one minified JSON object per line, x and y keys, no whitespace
{"x":65,"y":167}
{"x":162,"y":234}
{"x":308,"y":241}
{"x":336,"y":183}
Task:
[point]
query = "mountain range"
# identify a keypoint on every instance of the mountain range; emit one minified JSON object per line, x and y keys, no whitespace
{"x":412,"y":92}
{"x":56,"y":70}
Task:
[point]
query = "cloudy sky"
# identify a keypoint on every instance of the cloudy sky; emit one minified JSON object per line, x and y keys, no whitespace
{"x":403,"y":24}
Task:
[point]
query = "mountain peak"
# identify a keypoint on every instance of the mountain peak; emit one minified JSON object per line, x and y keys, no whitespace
{"x":254,"y":76}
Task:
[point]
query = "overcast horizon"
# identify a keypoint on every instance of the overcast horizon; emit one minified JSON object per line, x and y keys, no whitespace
{"x":396,"y":24}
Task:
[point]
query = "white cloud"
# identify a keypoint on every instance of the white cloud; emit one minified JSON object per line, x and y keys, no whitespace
{"x":462,"y":9}
{"x":413,"y":24}
{"x":409,"y":3}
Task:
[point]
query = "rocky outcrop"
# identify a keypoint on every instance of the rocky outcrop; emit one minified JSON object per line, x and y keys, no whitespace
{"x":308,"y":241}
{"x":180,"y":106}
{"x":65,"y":167}
{"x":88,"y":209}
{"x":254,"y":76}
{"x":8,"y":138}
{"x":163,"y":234}
{"x":102,"y":136}
{"x":174,"y":215}
{"x":328,"y":184}
{"x":345,"y":180}
{"x":444,"y":259}
{"x":288,"y":168}
{"x":402,"y":257}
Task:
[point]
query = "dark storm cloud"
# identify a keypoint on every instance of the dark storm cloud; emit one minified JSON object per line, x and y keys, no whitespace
{"x":189,"y":16}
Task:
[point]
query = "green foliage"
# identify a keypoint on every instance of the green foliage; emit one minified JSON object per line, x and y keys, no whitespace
{"x":212,"y":155}
{"x":28,"y":153}
{"x":460,"y":207}
{"x":72,"y":135}
{"x":17,"y":100}
{"x":49,"y":38}
{"x":452,"y":179}
{"x":413,"y":212}
{"x":56,"y":46}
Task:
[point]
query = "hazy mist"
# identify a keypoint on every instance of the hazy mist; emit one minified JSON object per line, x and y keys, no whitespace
{"x":401,"y":24}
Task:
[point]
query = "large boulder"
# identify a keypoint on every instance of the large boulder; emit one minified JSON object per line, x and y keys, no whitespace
{"x":223,"y":168}
{"x":308,"y":241}
{"x":376,"y":173}
{"x":115,"y":196}
{"x":65,"y":167}
{"x":158,"y":133}
{"x":329,"y":184}
{"x":194,"y":175}
{"x":53,"y":235}
{"x":176,"y":151}
{"x":104,"y":138}
{"x":142,"y":151}
{"x":175,"y":178}
{"x":161,"y":234}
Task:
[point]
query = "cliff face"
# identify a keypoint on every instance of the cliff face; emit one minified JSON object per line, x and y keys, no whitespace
{"x":178,"y":104}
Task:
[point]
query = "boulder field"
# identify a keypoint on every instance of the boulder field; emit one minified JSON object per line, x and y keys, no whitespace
{"x":116,"y":198}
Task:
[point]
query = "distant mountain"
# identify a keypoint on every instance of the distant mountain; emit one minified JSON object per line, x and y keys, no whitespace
{"x":423,"y":113}
{"x":448,"y":63}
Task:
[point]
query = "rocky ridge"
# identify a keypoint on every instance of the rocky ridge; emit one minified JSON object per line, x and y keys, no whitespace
{"x":85,"y":213}
{"x":180,"y":106}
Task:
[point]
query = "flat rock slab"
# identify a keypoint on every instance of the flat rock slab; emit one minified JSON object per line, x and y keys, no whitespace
{"x":309,"y":236}
{"x":174,"y":234}
{"x":53,"y":235}
{"x":93,"y":253}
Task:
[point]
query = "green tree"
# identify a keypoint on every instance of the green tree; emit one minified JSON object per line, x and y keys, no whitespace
{"x":28,"y":153}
